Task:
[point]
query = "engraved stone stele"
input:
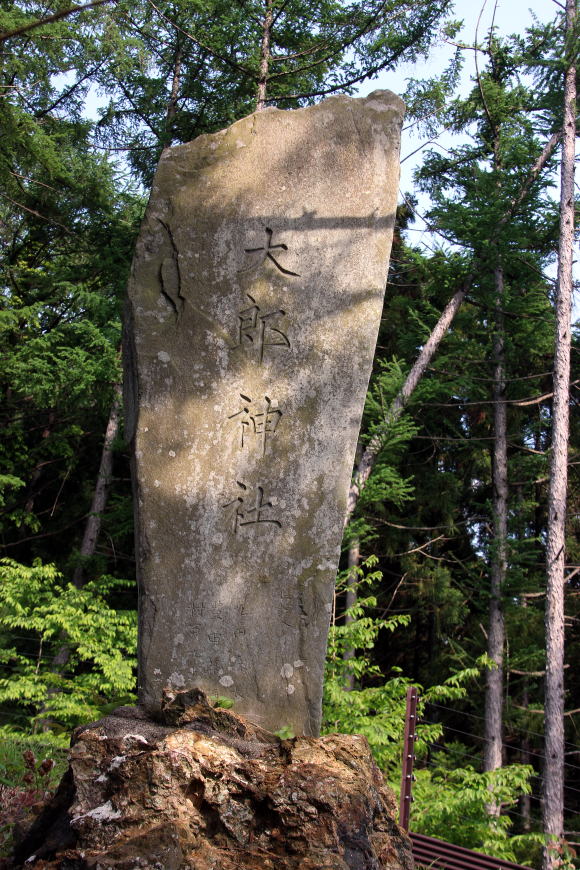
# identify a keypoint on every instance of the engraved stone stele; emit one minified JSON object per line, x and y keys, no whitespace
{"x":254,"y":304}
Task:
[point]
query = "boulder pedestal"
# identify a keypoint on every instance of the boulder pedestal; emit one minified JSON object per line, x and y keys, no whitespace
{"x":202,"y":789}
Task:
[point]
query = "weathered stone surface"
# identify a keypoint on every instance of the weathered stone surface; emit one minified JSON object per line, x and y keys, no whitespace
{"x":254,"y":303}
{"x":215,"y":794}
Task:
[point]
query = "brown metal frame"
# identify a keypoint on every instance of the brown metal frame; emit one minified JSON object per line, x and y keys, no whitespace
{"x":408,"y":757}
{"x":429,"y":852}
{"x":433,"y":853}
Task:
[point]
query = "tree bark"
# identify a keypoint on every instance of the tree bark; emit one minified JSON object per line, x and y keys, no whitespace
{"x":351,"y":597}
{"x":265,"y":56}
{"x":101,"y":493}
{"x":92,"y":529}
{"x":553,"y":804}
{"x":173,"y":95}
{"x":492,"y":754}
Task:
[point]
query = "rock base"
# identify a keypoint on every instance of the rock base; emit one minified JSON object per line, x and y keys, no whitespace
{"x":203,"y":789}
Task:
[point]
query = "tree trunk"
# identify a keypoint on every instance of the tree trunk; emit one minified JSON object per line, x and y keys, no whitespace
{"x":32,"y":491}
{"x":525,"y":801}
{"x":553,"y":805}
{"x":365,"y":465}
{"x":101,"y":493}
{"x":351,"y":597}
{"x":492,"y":754}
{"x":92,"y":530}
{"x":172,"y":102}
{"x":264,"y":56}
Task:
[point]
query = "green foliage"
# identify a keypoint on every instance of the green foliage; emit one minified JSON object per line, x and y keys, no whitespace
{"x":221,"y":701}
{"x":376,"y":711}
{"x":67,"y":225}
{"x":426,"y":99}
{"x":8,"y":481}
{"x":451,"y":802}
{"x":450,"y":797}
{"x":285,"y":733}
{"x":374,"y":708}
{"x":64,"y":651}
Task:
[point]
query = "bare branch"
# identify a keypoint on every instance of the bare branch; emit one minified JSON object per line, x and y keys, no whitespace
{"x":522,"y":403}
{"x":530,"y":673}
{"x":477,"y":74}
{"x":375,"y":445}
{"x":69,"y":91}
{"x":32,"y":180}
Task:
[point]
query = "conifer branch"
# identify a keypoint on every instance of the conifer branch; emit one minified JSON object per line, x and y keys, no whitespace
{"x":64,"y":13}
{"x":36,"y":213}
{"x":540,"y":163}
{"x":232,"y":64}
{"x":369,"y":25}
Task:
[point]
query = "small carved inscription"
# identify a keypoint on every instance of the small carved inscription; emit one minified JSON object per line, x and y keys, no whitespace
{"x":264,"y":252}
{"x":260,"y":424}
{"x":251,"y":516}
{"x":256,"y":328}
{"x":289,"y":608}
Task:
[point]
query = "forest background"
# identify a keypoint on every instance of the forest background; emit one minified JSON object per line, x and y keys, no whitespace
{"x":444,"y":582}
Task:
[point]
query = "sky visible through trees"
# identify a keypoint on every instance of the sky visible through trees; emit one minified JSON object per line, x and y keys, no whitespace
{"x":508,"y":17}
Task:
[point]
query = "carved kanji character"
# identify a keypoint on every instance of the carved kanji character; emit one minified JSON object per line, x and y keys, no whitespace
{"x":262,"y":424}
{"x":250,"y":516}
{"x":264,"y":252}
{"x":256,"y":328}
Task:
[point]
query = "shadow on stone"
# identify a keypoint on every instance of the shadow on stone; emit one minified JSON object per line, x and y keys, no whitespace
{"x":252,"y":313}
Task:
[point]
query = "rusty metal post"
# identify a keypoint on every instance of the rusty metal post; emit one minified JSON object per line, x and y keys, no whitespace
{"x":408,"y":757}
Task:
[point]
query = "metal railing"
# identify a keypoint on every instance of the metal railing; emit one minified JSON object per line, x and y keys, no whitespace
{"x":429,"y":852}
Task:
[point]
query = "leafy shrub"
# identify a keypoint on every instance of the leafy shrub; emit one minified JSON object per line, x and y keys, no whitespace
{"x":65,"y":653}
{"x":450,"y":800}
{"x":451,"y":803}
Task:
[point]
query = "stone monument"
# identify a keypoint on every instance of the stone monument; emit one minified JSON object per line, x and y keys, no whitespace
{"x":254,"y":304}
